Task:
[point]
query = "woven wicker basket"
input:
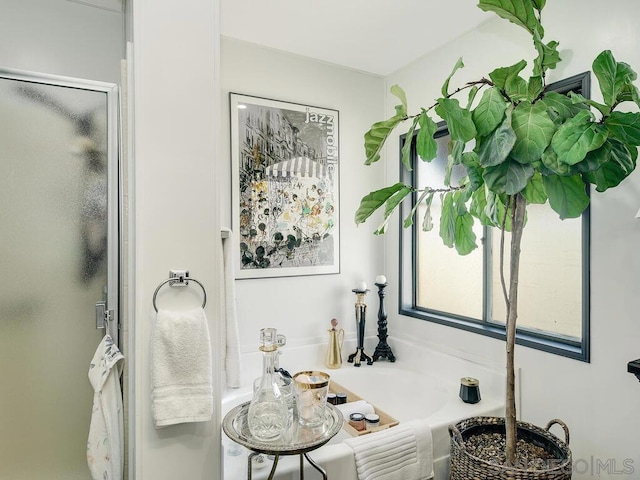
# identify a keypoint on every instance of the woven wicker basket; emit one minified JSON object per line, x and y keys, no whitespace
{"x":465,"y":466}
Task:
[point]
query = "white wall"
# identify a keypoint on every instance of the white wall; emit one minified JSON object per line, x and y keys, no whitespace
{"x":62,"y":38}
{"x":302,"y":307}
{"x":598,"y":400}
{"x":176,"y":219}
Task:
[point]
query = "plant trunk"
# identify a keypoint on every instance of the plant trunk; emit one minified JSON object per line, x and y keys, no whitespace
{"x":517,"y":226}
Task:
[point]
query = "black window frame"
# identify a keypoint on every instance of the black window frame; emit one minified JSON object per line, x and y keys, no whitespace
{"x":552,"y":343}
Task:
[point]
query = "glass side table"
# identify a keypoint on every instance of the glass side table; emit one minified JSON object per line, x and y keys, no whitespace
{"x":297,"y":440}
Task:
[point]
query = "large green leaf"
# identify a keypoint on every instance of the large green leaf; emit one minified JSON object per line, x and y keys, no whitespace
{"x":409,"y":220}
{"x":534,"y":192}
{"x":445,"y":87}
{"x":448,"y":220}
{"x":375,"y":138}
{"x":460,"y":198}
{"x":427,"y":219}
{"x":459,"y":122}
{"x":517,"y":89}
{"x":520,"y":12}
{"x":535,"y":87}
{"x":489,"y":208}
{"x":474,"y":172}
{"x":478,"y":207}
{"x":489,"y":112}
{"x":426,"y":146}
{"x":473,"y":91}
{"x":456,"y":148}
{"x":390,"y":205}
{"x":616,"y":79}
{"x":465,"y":240}
{"x":625,"y":127}
{"x":374,"y":200}
{"x":401,"y":95}
{"x":595,"y":159}
{"x":406,"y":147}
{"x":456,"y":223}
{"x":496,"y":147}
{"x":567,"y":195}
{"x":534,"y":130}
{"x":503,"y":76}
{"x":579,"y":99}
{"x":509,"y":177}
{"x":622,"y":161}
{"x":560,"y":107}
{"x":555,"y":166}
{"x":576,"y":137}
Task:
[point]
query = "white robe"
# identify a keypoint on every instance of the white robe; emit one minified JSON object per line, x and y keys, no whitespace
{"x":105,"y":446}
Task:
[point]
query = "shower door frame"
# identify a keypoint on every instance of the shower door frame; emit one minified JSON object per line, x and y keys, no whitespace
{"x":114,"y":156}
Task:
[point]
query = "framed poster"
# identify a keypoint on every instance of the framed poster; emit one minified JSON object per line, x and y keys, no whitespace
{"x":285,"y":191}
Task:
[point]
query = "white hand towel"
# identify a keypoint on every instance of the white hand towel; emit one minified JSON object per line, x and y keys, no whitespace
{"x":229,"y":317}
{"x":181,"y":369}
{"x":361,"y":406}
{"x":105,"y":445}
{"x":403,"y":452}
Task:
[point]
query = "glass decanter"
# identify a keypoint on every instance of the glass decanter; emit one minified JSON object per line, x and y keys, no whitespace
{"x":268,"y":414}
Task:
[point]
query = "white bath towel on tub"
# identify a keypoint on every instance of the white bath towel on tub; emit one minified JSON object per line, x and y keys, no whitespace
{"x":403,"y":452}
{"x":181,"y":369}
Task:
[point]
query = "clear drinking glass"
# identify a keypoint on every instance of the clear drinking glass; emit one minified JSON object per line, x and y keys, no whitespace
{"x":310,"y":390}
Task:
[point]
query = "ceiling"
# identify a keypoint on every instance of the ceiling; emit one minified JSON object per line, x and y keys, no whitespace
{"x":374,"y":36}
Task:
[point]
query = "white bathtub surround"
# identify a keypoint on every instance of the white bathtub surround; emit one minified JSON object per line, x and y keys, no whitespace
{"x":424,"y":383}
{"x":181,"y":368}
{"x":229,"y":320}
{"x":404,"y":452}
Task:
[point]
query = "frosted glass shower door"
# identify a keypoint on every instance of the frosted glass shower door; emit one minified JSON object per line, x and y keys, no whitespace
{"x":58,"y":256}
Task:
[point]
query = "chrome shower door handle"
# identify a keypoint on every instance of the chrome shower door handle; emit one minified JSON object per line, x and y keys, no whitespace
{"x":103,"y":315}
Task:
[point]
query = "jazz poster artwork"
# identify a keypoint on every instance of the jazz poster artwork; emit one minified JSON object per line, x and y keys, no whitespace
{"x":285,"y":191}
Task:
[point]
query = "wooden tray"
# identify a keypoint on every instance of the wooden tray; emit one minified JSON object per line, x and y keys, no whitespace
{"x":386,"y":420}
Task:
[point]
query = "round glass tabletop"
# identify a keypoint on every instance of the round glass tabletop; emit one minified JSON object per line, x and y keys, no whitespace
{"x":296,"y":440}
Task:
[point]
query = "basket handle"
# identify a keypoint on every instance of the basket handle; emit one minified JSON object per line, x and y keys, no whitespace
{"x":456,"y":435}
{"x":564,"y":427}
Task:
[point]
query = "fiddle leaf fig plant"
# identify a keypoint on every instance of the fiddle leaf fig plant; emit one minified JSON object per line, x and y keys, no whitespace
{"x":519,"y":143}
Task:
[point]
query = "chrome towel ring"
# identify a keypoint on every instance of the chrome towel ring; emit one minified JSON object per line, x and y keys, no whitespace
{"x":179,"y":278}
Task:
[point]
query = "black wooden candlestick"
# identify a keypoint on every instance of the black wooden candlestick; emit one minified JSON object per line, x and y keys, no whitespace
{"x":361,"y":317}
{"x":383,"y":350}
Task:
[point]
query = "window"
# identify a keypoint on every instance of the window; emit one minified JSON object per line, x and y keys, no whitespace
{"x":465,"y":292}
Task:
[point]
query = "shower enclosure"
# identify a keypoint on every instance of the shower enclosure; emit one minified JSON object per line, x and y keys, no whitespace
{"x":59,"y":262}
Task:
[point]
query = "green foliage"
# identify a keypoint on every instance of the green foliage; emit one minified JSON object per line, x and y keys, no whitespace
{"x":461,"y":126}
{"x":520,"y":12}
{"x":426,"y":146}
{"x":374,"y":139}
{"x":534,"y":131}
{"x":489,"y":112}
{"x":616,"y":80}
{"x":516,"y":138}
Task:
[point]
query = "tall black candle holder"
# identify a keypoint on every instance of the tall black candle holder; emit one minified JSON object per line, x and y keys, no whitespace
{"x":383,"y":350}
{"x":361,"y":317}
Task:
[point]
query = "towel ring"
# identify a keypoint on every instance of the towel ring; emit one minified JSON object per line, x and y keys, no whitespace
{"x":180,"y":280}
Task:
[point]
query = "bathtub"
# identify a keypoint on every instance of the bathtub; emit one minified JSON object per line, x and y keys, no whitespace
{"x":422,"y":384}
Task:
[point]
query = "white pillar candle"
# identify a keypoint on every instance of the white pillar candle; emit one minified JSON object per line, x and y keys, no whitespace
{"x":362,"y":286}
{"x":381,"y":279}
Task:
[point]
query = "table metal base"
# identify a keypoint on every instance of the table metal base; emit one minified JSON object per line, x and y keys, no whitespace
{"x":275,"y":465}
